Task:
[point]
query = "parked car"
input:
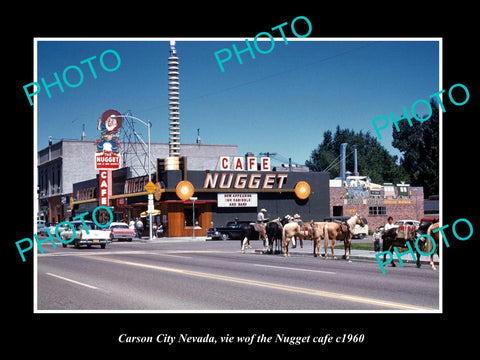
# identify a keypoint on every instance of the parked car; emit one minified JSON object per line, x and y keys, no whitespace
{"x":121,"y":231}
{"x":53,"y":226}
{"x":41,"y":227}
{"x":232,"y":230}
{"x":402,"y":223}
{"x":358,"y":231}
{"x":95,"y":235}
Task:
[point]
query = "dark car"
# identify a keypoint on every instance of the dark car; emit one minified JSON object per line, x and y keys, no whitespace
{"x":233,"y":230}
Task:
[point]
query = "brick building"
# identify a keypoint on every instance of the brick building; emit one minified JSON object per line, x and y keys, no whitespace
{"x":400,"y":201}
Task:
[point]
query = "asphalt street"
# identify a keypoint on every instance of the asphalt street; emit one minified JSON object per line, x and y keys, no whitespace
{"x":189,"y":276}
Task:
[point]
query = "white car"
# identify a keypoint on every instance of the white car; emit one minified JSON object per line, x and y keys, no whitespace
{"x":93,"y":237}
{"x":407,"y":222}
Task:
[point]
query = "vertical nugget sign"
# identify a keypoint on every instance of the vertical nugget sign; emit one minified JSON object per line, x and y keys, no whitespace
{"x":107,"y":157}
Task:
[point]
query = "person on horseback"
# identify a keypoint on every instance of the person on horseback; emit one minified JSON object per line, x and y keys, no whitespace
{"x":260,"y":225}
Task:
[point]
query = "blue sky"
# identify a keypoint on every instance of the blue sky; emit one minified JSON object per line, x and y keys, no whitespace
{"x":278,"y":102}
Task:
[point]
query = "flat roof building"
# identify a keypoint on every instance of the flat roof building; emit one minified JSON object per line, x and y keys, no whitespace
{"x":66,"y":162}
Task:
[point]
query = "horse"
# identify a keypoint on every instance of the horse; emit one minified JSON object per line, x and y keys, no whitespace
{"x":426,"y":244}
{"x":338,"y":231}
{"x":253,"y":231}
{"x":274,"y":231}
{"x":398,"y":237}
{"x":319,"y":234}
{"x":308,"y":231}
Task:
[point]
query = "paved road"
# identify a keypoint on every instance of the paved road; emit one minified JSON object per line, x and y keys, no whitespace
{"x":178,"y":275}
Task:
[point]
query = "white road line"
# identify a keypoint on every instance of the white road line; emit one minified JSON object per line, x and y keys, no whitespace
{"x":163,"y":254}
{"x":132,"y":252}
{"x":282,"y":287}
{"x":295,"y":269}
{"x":72,"y":281}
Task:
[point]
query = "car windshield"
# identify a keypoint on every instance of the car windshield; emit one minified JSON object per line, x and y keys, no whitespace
{"x":119,"y":226}
{"x":88,"y":225}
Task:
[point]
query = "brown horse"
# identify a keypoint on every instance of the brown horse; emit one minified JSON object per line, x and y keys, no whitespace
{"x":338,"y":231}
{"x":308,"y":231}
{"x":428,"y":246}
{"x":319,"y":234}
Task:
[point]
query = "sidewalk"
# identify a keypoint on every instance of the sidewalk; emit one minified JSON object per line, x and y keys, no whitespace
{"x":358,"y":254}
{"x":307,"y":249}
{"x":170,"y":239}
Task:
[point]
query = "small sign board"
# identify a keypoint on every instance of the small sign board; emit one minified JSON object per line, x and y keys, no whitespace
{"x":107,"y":160}
{"x":237,"y":200}
{"x":150,"y":187}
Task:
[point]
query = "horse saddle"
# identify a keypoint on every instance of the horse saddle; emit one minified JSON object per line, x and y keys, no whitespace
{"x":307,"y":228}
{"x":343,"y":227}
{"x":405,"y":231}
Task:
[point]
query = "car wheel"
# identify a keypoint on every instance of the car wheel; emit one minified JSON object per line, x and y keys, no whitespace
{"x":102,"y":246}
{"x":225,"y":237}
{"x":76,"y":244}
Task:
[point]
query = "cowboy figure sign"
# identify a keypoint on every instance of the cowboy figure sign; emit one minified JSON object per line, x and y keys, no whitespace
{"x":107,"y":156}
{"x":109,"y":126}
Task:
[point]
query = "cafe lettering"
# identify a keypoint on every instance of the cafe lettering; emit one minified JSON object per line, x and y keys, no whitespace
{"x":239,"y":163}
{"x":257,"y":177}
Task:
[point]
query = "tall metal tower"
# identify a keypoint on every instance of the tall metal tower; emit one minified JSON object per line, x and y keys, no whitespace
{"x":133,"y":149}
{"x":173,"y":102}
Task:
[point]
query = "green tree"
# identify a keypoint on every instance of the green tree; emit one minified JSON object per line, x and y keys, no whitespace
{"x":373,"y":159}
{"x":419,"y":145}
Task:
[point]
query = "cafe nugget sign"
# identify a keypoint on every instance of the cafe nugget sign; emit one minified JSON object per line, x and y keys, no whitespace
{"x":107,"y":157}
{"x":243,"y":174}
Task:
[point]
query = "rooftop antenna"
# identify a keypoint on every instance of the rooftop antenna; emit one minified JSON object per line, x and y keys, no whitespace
{"x":199,"y":141}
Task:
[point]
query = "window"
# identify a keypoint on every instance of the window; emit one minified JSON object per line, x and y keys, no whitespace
{"x":377,"y":210}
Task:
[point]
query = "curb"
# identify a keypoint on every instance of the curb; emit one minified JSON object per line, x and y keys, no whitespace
{"x":352,"y":257}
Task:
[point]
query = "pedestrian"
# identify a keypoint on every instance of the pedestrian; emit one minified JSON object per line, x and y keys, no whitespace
{"x":377,"y":239}
{"x":160,"y":230}
{"x":299,"y":221}
{"x":139,"y":226}
{"x":389,"y":224}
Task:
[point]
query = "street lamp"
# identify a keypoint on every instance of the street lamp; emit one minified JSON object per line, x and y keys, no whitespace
{"x":192,"y":199}
{"x":148,"y":125}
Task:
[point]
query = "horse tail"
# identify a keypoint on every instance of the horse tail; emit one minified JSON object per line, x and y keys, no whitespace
{"x":325,"y":232}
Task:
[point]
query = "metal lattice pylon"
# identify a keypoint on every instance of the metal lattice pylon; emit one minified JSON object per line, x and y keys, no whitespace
{"x":133,"y":149}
